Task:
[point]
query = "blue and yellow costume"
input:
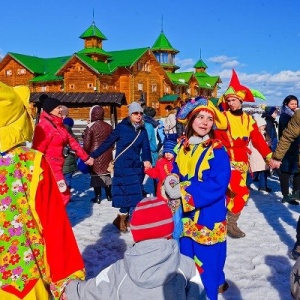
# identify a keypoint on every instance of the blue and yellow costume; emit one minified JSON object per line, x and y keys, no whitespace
{"x":203,"y":167}
{"x":204,"y":175}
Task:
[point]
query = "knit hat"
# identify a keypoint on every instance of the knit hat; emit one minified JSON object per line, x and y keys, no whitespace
{"x":151,"y":219}
{"x":49,"y":104}
{"x":270,"y":110}
{"x":172,"y":186}
{"x":194,"y":105}
{"x":134,"y":107}
{"x":169,"y":146}
{"x":68,"y":121}
{"x":16,"y":123}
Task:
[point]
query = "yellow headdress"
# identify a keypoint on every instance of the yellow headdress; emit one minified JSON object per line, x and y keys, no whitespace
{"x":16,"y":123}
{"x":196,"y":104}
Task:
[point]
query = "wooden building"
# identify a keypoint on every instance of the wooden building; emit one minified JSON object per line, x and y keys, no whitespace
{"x":149,"y":75}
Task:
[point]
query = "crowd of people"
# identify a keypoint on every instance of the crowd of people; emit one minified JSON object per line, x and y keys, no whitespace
{"x":201,"y":161}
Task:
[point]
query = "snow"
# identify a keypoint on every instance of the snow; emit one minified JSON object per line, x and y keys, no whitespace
{"x":257,"y":266}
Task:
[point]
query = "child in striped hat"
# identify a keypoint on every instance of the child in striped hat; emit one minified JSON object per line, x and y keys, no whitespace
{"x":152,"y":269}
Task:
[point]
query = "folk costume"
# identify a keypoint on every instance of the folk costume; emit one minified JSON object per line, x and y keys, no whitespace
{"x":204,"y":171}
{"x":241,"y":128}
{"x":36,"y":259}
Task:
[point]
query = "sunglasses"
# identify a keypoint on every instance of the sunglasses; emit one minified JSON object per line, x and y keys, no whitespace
{"x":137,"y":113}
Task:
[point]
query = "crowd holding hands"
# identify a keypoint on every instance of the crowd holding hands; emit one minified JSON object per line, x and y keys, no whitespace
{"x":199,"y":172}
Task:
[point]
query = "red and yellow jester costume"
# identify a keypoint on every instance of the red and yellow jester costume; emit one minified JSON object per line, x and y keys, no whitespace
{"x":241,"y":128}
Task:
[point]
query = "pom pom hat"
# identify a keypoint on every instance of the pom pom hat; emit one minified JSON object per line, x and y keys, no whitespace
{"x":151,"y":219}
{"x":16,"y":123}
{"x":195,"y":105}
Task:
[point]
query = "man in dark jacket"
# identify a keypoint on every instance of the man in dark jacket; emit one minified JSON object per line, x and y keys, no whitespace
{"x":290,"y":134}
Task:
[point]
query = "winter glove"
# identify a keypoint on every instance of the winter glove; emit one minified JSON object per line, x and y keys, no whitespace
{"x":172,"y":186}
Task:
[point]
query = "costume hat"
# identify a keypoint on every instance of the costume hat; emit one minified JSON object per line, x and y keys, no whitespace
{"x":16,"y":123}
{"x":239,"y":91}
{"x":197,"y":104}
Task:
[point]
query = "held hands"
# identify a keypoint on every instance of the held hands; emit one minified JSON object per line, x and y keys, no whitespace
{"x":147,"y":165}
{"x":274,"y":164}
{"x":89,"y":162}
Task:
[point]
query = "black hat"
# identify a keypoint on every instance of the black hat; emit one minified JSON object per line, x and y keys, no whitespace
{"x":49,"y":104}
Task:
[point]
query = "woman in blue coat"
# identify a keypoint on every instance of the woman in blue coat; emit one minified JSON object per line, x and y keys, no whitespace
{"x":204,"y":172}
{"x":129,"y":167}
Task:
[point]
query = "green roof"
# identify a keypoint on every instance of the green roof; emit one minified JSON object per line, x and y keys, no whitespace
{"x":93,"y":31}
{"x":181,"y":78}
{"x":169,"y":98}
{"x":163,"y":44}
{"x":125,"y":58}
{"x":200,"y":64}
{"x":94,"y":51}
{"x":98,"y":66}
{"x":44,"y":69}
{"x":47,"y":77}
{"x":205,"y":81}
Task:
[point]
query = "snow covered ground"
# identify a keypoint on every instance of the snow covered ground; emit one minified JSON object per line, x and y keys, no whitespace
{"x":257,"y":267}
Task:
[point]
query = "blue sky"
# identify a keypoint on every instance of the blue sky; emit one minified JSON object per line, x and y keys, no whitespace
{"x":260,"y":39}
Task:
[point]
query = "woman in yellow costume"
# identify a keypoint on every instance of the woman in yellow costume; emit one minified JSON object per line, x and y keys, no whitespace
{"x":241,"y":128}
{"x":38,"y":250}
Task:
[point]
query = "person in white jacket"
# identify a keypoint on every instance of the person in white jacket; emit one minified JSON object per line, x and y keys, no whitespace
{"x":152,"y":269}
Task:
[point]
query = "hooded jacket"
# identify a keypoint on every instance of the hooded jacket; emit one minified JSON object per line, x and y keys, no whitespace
{"x":95,"y":134}
{"x":151,"y":269}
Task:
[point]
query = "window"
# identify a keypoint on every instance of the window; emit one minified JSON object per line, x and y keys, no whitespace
{"x":154,"y":87}
{"x":140,"y":66}
{"x":90,"y":85}
{"x":44,"y":89}
{"x":105,"y":86}
{"x":8,"y":72}
{"x":21,"y":71}
{"x":80,"y":68}
{"x":71,"y":86}
{"x":140,"y":86}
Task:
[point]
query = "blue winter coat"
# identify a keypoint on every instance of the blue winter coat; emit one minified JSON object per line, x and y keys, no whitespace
{"x":129,"y":168}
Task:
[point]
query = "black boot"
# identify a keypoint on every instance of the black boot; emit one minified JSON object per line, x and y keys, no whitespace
{"x":108,"y":192}
{"x":97,"y":199}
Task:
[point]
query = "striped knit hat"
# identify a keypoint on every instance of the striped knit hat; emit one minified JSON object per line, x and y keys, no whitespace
{"x":151,"y":219}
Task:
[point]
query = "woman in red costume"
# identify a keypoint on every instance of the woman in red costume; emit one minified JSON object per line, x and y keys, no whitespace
{"x":38,"y":250}
{"x":241,"y":128}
